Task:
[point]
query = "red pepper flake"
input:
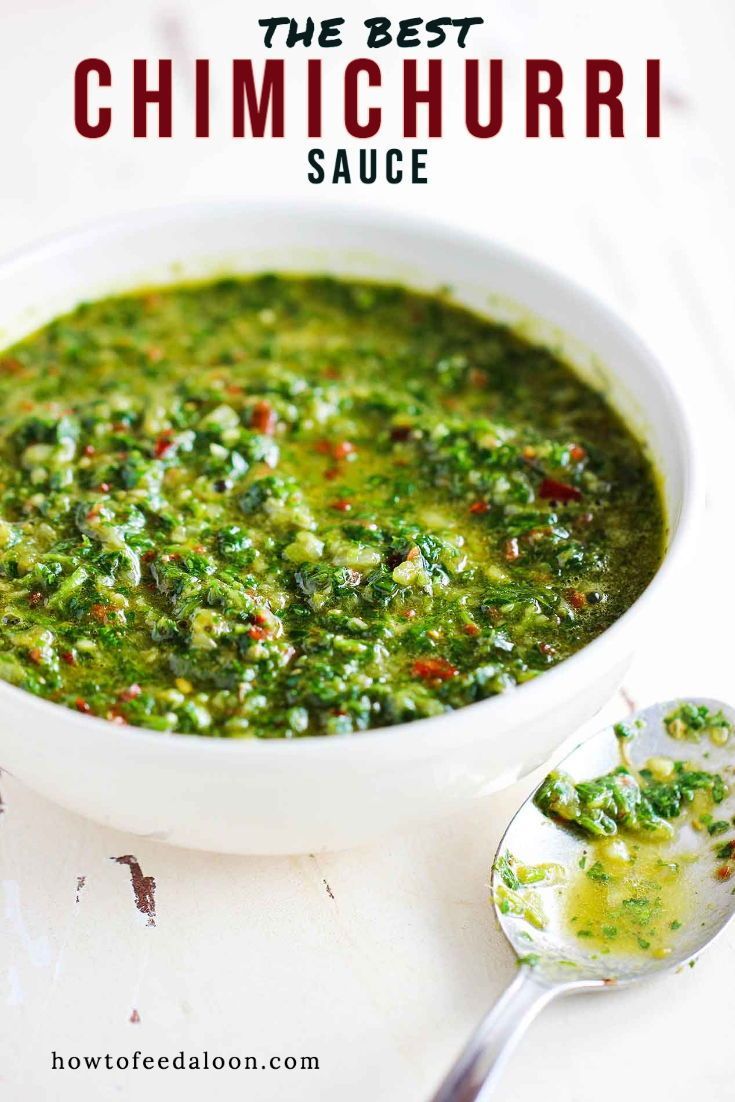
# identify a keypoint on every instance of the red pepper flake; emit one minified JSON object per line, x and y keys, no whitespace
{"x":116,"y":717}
{"x":577,"y":453}
{"x":94,"y":511}
{"x":551,"y":490}
{"x":342,"y":505}
{"x":119,"y":426}
{"x":477,"y":377}
{"x":69,"y":657}
{"x":511,"y":550}
{"x":100,"y":612}
{"x":89,"y":449}
{"x":35,"y":598}
{"x":576,"y":599}
{"x":82,"y":706}
{"x":401,"y":432}
{"x":413,"y":553}
{"x":104,"y":487}
{"x":263,"y":418}
{"x":471,"y":629}
{"x":154,"y":354}
{"x":131,"y":692}
{"x":332,"y":373}
{"x":479,"y":507}
{"x":343,"y":449}
{"x":535,"y":535}
{"x":162,"y":445}
{"x":261,"y":616}
{"x":546,"y":648}
{"x":10,"y":366}
{"x":257,"y":633}
{"x":332,"y":473}
{"x":433,"y":669}
{"x":35,"y":656}
{"x":724,"y":872}
{"x":148,"y":556}
{"x":323,"y":447}
{"x":200,"y":549}
{"x":409,"y":613}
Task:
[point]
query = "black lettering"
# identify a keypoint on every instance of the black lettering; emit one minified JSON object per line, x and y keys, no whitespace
{"x":295,"y":35}
{"x":436,"y":27}
{"x":464,"y":27}
{"x":315,"y":157}
{"x":393,"y":169}
{"x":270,"y":25}
{"x":341,"y":168}
{"x":408,"y":33}
{"x":418,"y":166}
{"x":378,"y":32}
{"x":329,"y":34}
{"x":368,"y":166}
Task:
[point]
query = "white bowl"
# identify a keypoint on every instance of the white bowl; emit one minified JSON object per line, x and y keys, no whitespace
{"x":307,"y":795}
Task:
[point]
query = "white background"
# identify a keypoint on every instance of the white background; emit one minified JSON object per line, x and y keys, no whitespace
{"x":379,"y":961}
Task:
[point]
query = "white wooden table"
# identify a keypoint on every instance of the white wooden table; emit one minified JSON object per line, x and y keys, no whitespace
{"x":378,"y":961}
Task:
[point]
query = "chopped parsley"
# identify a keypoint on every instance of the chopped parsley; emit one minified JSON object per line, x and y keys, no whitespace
{"x":282,"y":507}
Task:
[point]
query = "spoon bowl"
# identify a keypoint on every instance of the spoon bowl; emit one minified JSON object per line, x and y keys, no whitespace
{"x":555,"y":959}
{"x":532,"y":836}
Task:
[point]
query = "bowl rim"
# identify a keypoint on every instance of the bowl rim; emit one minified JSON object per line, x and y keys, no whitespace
{"x":507,"y":709}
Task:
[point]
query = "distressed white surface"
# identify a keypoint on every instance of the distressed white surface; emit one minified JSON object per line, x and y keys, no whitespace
{"x":382,"y":974}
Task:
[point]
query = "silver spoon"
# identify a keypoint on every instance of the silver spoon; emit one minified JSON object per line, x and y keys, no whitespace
{"x":562,"y":962}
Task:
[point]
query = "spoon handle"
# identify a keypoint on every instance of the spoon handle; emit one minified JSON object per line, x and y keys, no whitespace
{"x":478,"y":1067}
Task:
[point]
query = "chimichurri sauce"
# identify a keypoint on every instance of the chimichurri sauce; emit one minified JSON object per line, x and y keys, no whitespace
{"x":282,"y":506}
{"x":646,"y":828}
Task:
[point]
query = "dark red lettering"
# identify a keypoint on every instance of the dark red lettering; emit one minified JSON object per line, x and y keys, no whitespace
{"x":371,"y":69}
{"x":82,"y":122}
{"x":143,"y":95}
{"x":472,"y":99}
{"x":597,"y":99}
{"x":536,"y":99}
{"x":412,"y":97}
{"x":653,"y":98}
{"x":259,"y":107}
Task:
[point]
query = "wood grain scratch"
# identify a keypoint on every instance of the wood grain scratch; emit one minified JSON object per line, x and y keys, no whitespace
{"x":81,"y":881}
{"x":144,"y":887}
{"x":330,"y":893}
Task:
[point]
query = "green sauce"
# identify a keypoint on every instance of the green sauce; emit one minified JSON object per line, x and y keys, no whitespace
{"x":636,"y":886}
{"x":632,"y":896}
{"x":283,"y":507}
